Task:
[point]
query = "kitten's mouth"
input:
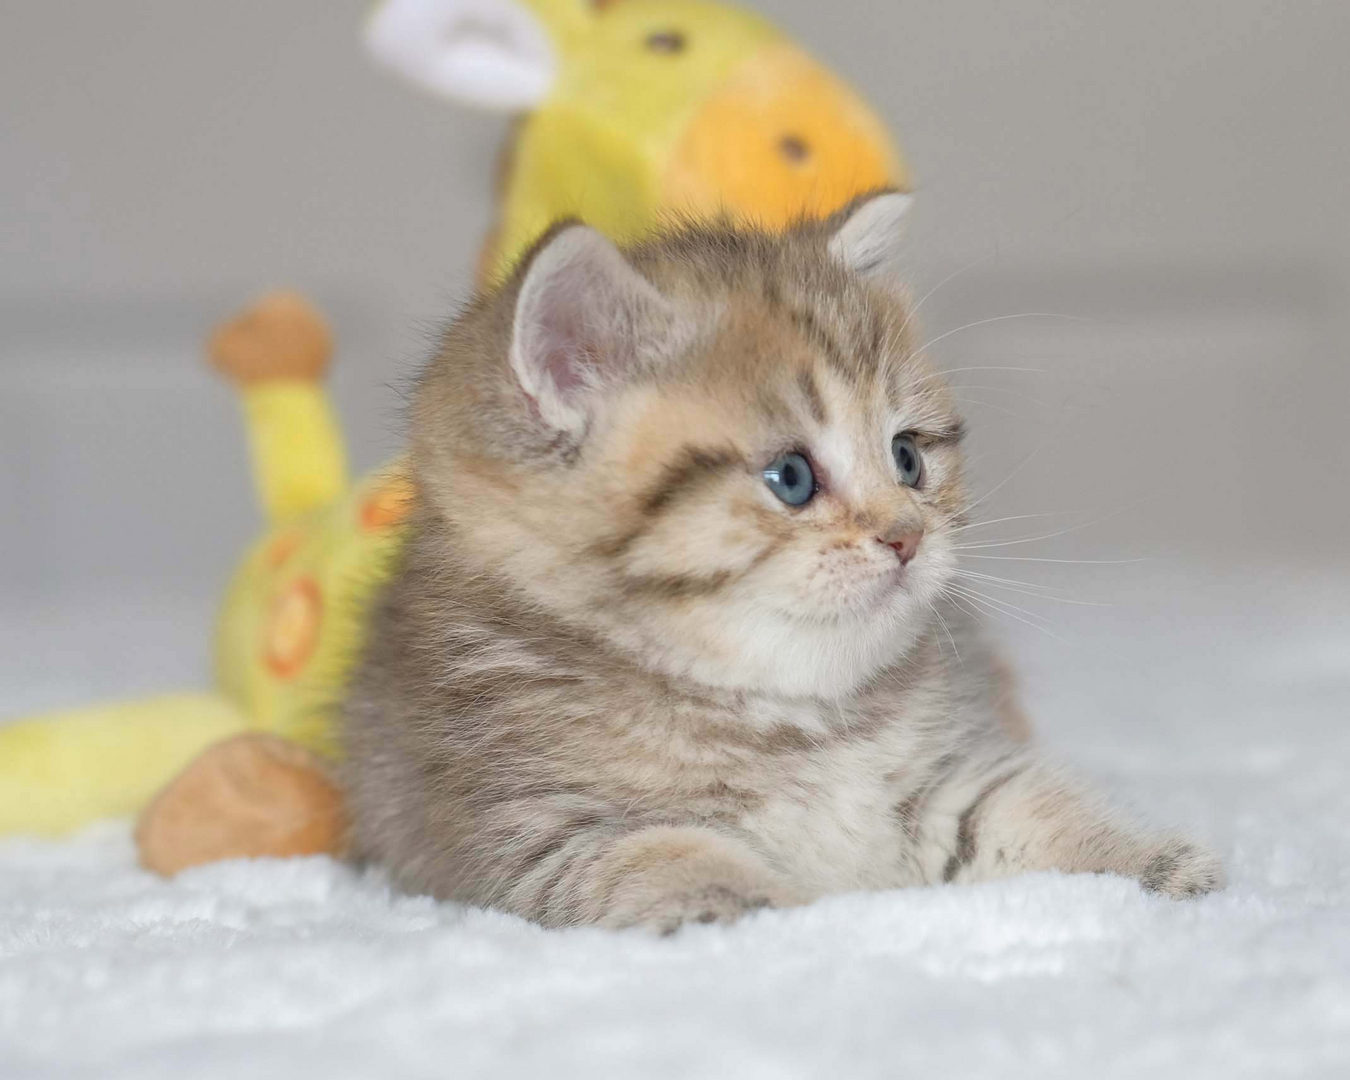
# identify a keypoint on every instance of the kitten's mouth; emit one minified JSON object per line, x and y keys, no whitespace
{"x":898,"y":576}
{"x":900,"y":580}
{"x":884,"y":591}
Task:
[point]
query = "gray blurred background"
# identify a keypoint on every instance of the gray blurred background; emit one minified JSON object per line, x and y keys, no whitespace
{"x":1172,"y":174}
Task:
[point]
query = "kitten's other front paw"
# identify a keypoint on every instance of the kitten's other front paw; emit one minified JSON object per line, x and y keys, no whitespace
{"x":666,"y":914}
{"x":1182,"y":870}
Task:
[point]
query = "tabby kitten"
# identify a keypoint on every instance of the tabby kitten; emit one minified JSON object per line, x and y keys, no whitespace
{"x":668,"y":642}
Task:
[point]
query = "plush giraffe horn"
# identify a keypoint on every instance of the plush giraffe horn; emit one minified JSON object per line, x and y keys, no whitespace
{"x":282,"y":336}
{"x":497,"y":54}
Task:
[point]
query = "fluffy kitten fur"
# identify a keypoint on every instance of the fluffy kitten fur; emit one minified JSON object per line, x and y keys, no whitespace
{"x":618,"y":681}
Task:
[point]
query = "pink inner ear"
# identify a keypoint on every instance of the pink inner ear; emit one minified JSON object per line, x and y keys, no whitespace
{"x":569,"y":352}
{"x":571,"y":338}
{"x":581,"y":317}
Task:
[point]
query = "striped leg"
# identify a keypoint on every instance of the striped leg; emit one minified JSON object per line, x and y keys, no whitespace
{"x":1012,"y":814}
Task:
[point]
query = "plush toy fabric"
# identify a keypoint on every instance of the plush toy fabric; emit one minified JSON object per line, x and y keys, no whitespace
{"x":633,"y":109}
{"x":638,"y":108}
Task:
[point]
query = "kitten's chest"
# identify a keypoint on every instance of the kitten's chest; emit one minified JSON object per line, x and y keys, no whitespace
{"x":830,"y":812}
{"x":834,"y":820}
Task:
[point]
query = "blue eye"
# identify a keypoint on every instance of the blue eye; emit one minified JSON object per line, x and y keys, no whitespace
{"x":908,"y":460}
{"x":791,"y":479}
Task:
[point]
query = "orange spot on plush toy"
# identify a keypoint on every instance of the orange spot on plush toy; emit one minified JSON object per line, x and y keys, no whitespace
{"x":388,"y":505}
{"x":281,"y":549}
{"x":292,"y":628}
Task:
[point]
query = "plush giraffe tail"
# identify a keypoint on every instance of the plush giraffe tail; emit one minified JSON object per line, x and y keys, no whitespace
{"x":276,"y":353}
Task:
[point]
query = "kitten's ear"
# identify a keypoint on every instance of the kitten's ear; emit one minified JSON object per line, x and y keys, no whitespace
{"x":584,"y":316}
{"x":869,"y":235}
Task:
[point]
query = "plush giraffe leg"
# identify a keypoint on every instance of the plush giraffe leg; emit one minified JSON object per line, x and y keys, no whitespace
{"x":250,"y":796}
{"x":64,"y":770}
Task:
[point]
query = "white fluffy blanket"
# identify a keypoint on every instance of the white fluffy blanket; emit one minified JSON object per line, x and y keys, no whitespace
{"x":1231,"y":722}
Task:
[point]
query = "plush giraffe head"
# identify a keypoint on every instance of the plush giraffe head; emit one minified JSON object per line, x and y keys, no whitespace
{"x":636,"y":108}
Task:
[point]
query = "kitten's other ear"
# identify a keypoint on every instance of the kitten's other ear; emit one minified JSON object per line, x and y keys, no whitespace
{"x":584,"y":316}
{"x":869,"y":234}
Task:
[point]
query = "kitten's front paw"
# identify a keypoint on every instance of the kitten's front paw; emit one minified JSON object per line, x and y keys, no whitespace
{"x":666,"y":914}
{"x":1182,"y":870}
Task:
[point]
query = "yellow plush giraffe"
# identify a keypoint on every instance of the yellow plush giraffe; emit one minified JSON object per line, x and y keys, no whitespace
{"x":635,"y":108}
{"x":629,"y":110}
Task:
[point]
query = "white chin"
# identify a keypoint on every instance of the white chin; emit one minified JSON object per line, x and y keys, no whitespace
{"x":804,"y":657}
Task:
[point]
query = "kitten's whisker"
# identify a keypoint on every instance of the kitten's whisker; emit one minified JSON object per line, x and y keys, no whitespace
{"x":1026,"y":539}
{"x":1064,"y":532}
{"x":1042,"y":586}
{"x":1002,"y":390}
{"x":990,"y":405}
{"x":1013,"y":587}
{"x":971,"y":592}
{"x":1028,"y":558}
{"x":961,"y":572}
{"x":993,"y":608}
{"x":1003,"y":318}
{"x":948,"y":631}
{"x":1014,"y":517}
{"x":909,"y":317}
{"x":985,"y":367}
{"x":979,"y":610}
{"x":1002,"y":607}
{"x":974,"y":612}
{"x":994,"y":490}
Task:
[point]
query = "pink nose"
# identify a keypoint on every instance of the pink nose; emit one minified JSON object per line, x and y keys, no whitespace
{"x":906,"y":546}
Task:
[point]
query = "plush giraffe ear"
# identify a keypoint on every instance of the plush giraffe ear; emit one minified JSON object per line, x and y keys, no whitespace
{"x":490,"y":53}
{"x":584,"y":319}
{"x":869,"y":234}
